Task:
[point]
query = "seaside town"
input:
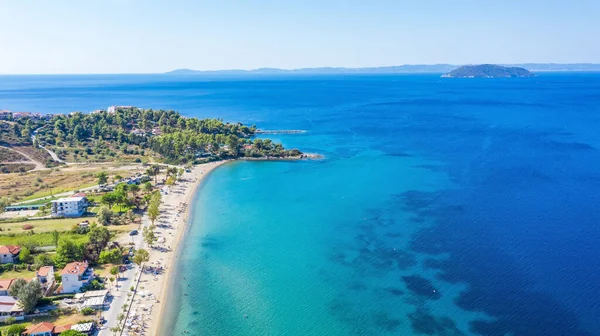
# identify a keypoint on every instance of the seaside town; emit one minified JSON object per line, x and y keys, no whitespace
{"x":89,"y":233}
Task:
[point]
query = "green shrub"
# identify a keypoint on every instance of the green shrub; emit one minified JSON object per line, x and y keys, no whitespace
{"x":15,"y":330}
{"x":93,"y":285}
{"x":87,"y":311}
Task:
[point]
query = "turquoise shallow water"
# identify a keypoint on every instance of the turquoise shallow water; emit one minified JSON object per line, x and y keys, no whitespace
{"x":262,"y":255}
{"x":443,"y":206}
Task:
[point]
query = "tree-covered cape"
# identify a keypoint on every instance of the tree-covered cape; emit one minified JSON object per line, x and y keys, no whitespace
{"x":135,"y":133}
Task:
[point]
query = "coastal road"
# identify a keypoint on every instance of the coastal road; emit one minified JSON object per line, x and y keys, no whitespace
{"x":120,"y":294}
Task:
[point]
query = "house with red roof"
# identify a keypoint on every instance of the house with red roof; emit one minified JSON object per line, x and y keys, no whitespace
{"x":46,"y":329}
{"x":75,"y":275}
{"x":45,"y":275}
{"x":9,"y":254}
{"x":40,"y":329}
{"x":60,"y":329}
{"x":5,"y":285}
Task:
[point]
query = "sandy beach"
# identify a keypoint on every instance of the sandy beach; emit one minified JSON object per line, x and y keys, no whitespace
{"x":150,"y":298}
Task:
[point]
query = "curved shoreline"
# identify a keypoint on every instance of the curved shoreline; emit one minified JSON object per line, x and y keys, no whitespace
{"x":201,"y":172}
{"x":163,"y":291}
{"x":305,"y":156}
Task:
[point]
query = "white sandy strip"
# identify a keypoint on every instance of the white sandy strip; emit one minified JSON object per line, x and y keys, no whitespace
{"x":174,"y":214}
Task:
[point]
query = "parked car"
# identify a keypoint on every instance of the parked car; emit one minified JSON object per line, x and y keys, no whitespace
{"x":133,"y":232}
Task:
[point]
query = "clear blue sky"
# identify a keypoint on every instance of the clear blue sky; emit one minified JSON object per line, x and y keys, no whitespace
{"x":141,"y":36}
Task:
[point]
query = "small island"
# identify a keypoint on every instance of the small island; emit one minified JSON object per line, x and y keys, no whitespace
{"x":488,"y":71}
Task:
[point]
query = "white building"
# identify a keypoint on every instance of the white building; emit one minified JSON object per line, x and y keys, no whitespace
{"x":94,"y":299}
{"x":45,"y":275}
{"x":69,"y":206}
{"x":9,"y":254}
{"x":75,"y":275}
{"x":113,"y":109}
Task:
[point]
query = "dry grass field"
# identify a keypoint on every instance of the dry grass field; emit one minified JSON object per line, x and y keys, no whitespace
{"x":42,"y":183}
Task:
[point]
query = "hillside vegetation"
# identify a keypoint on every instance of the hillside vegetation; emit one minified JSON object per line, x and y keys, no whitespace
{"x":139,"y":135}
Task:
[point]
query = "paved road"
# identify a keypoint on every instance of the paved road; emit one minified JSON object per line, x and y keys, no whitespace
{"x":120,"y":294}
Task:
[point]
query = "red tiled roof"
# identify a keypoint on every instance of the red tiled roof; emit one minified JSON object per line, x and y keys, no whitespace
{"x":76,"y":267}
{"x":59,"y":329}
{"x":5,"y":283}
{"x":80,"y":194}
{"x":40,"y":328}
{"x":13,"y":249}
{"x":44,"y":270}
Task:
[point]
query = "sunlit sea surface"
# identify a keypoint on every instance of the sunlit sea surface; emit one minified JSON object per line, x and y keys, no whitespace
{"x":442,"y":207}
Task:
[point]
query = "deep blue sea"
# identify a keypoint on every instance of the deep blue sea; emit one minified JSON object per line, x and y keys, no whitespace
{"x":442,"y":207}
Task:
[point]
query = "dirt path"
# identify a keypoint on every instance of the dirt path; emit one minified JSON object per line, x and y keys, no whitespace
{"x":38,"y":165}
{"x":54,"y":156}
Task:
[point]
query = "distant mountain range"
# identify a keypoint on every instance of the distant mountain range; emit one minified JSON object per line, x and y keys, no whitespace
{"x":408,"y":68}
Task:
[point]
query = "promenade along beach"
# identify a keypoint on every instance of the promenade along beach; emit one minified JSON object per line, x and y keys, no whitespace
{"x":152,"y":290}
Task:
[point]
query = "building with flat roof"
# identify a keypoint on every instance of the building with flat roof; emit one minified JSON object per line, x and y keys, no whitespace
{"x":23,"y":207}
{"x":69,"y":207}
{"x":10,"y":307}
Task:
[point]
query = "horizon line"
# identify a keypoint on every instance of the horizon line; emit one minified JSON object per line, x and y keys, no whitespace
{"x":255,"y":70}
